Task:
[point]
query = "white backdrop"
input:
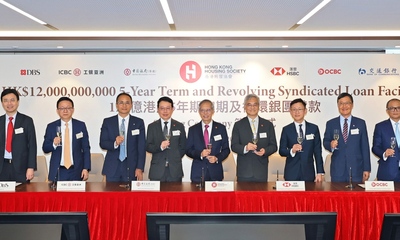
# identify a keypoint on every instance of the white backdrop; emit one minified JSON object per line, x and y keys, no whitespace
{"x":94,"y":80}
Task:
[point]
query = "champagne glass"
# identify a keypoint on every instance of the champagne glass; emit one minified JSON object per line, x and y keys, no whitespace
{"x":167,"y":136}
{"x":255,"y":140}
{"x":122,"y":134}
{"x":300,"y":140}
{"x":393,"y":144}
{"x":59,"y":134}
{"x":209,"y":146}
{"x":336,"y":136}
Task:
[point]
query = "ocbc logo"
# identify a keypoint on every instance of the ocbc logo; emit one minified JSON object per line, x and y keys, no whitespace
{"x":379,"y":184}
{"x":322,"y":71}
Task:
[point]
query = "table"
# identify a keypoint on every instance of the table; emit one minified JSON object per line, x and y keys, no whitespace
{"x":117,"y":213}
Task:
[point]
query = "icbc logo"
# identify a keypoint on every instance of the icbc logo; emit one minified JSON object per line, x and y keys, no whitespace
{"x":77,"y":72}
{"x":322,"y":71}
{"x":214,"y":184}
{"x":25,"y":72}
{"x":379,"y":184}
{"x":190,"y":71}
{"x":127,"y":72}
{"x":287,"y":184}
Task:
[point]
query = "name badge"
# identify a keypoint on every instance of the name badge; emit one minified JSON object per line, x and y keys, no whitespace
{"x":310,"y":137}
{"x":71,"y":186}
{"x":145,"y":186}
{"x":219,"y":186}
{"x":379,"y":186}
{"x":263,"y":135}
{"x":19,"y":130}
{"x":354,"y":131}
{"x":217,"y":137}
{"x":290,"y":186}
{"x":79,"y":135}
{"x":7,"y":186}
{"x":176,"y":132}
{"x":135,"y":132}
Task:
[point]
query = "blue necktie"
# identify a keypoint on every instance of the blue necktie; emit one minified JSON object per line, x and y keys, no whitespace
{"x":122,"y":154}
{"x":397,"y":133}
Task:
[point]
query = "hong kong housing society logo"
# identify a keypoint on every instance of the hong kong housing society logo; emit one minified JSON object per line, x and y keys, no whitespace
{"x":190,"y":71}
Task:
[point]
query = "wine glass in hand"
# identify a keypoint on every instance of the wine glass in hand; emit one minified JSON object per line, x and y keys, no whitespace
{"x":393,"y":144}
{"x":336,"y":136}
{"x":300,"y":140}
{"x":167,"y":137}
{"x":59,"y":134}
{"x":255,"y":140}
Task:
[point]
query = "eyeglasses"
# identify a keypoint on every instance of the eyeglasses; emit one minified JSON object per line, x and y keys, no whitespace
{"x":394,"y":109}
{"x":123,"y":103}
{"x":13,"y":100}
{"x":297,"y":109}
{"x":345,"y":103}
{"x":206,"y":110}
{"x":65,"y":109}
{"x":252,"y":105}
{"x":164,"y":108}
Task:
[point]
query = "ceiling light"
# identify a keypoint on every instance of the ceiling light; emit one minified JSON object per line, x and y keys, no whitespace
{"x":315,"y":10}
{"x":167,"y":11}
{"x":22,"y":12}
{"x":171,"y":46}
{"x":397,"y":46}
{"x":60,"y":47}
{"x":285,"y":46}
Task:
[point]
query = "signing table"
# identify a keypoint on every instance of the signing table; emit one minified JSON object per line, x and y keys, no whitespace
{"x":117,"y":213}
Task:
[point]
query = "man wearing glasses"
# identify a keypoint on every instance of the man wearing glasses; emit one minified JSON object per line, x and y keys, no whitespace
{"x":67,"y":140}
{"x":386,"y":142}
{"x":350,"y":151}
{"x":253,"y":140}
{"x":124,"y":138}
{"x":300,"y":143}
{"x":17,"y":141}
{"x":166,"y":141}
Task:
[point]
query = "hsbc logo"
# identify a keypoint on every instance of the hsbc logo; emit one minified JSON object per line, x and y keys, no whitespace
{"x":29,"y":72}
{"x":331,"y":71}
{"x":278,"y":71}
{"x":286,"y":184}
{"x":190,"y":71}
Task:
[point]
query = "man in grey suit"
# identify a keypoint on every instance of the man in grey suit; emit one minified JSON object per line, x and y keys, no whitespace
{"x":17,"y":141}
{"x":166,"y":140}
{"x":253,"y":140}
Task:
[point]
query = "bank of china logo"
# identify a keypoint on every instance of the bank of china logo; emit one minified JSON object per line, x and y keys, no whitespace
{"x":190,"y":71}
{"x":362,"y":71}
{"x":278,"y":71}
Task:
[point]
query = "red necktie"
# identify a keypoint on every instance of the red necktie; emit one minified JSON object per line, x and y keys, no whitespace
{"x":10,"y":131}
{"x":206,"y":136}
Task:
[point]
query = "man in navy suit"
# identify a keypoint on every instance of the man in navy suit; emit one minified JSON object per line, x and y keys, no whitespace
{"x":18,"y":145}
{"x":389,"y":158}
{"x":123,"y":136}
{"x":67,"y":140}
{"x":300,"y":157}
{"x":207,"y":160}
{"x":166,"y":161}
{"x":351,"y":151}
{"x":252,"y":157}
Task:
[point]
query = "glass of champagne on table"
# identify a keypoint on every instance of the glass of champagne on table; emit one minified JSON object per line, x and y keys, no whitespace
{"x":336,"y":136}
{"x":58,"y":133}
{"x":393,"y":144}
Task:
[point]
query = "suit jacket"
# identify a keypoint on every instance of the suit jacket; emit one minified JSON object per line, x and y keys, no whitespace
{"x":24,"y":149}
{"x":220,"y":149}
{"x":249,"y":164}
{"x":80,"y":149}
{"x":301,"y":166}
{"x":355,"y":153}
{"x":135,"y":145}
{"x":387,"y":170}
{"x":173,"y":154}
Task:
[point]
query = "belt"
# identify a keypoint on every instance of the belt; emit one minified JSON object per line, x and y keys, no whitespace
{"x":7,"y":160}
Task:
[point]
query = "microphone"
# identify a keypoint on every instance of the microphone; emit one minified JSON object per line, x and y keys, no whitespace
{"x":277,"y":178}
{"x":350,"y":180}
{"x":129,"y":184}
{"x":54,"y":185}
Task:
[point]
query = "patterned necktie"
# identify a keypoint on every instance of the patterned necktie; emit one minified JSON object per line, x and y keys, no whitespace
{"x":345,"y":130}
{"x":122,"y":151}
{"x":67,"y":148}
{"x":165,"y":130}
{"x":301,"y":131}
{"x":206,"y":136}
{"x":10,"y":130}
{"x":397,"y":133}
{"x":253,"y":126}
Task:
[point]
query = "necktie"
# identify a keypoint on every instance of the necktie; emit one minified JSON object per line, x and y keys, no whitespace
{"x":397,"y":133}
{"x":253,"y":126}
{"x":206,"y":136}
{"x":345,"y":130}
{"x":67,"y":148}
{"x":122,"y":154}
{"x":301,"y":134}
{"x":10,"y":130}
{"x":165,"y":130}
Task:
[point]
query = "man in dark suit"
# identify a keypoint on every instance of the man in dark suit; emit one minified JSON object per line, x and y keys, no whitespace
{"x":300,"y":156}
{"x":252,"y":155}
{"x":123,"y":136}
{"x":17,"y":141}
{"x":352,"y":148}
{"x":67,"y":140}
{"x":389,"y":158}
{"x":166,"y":139}
{"x":207,"y":145}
